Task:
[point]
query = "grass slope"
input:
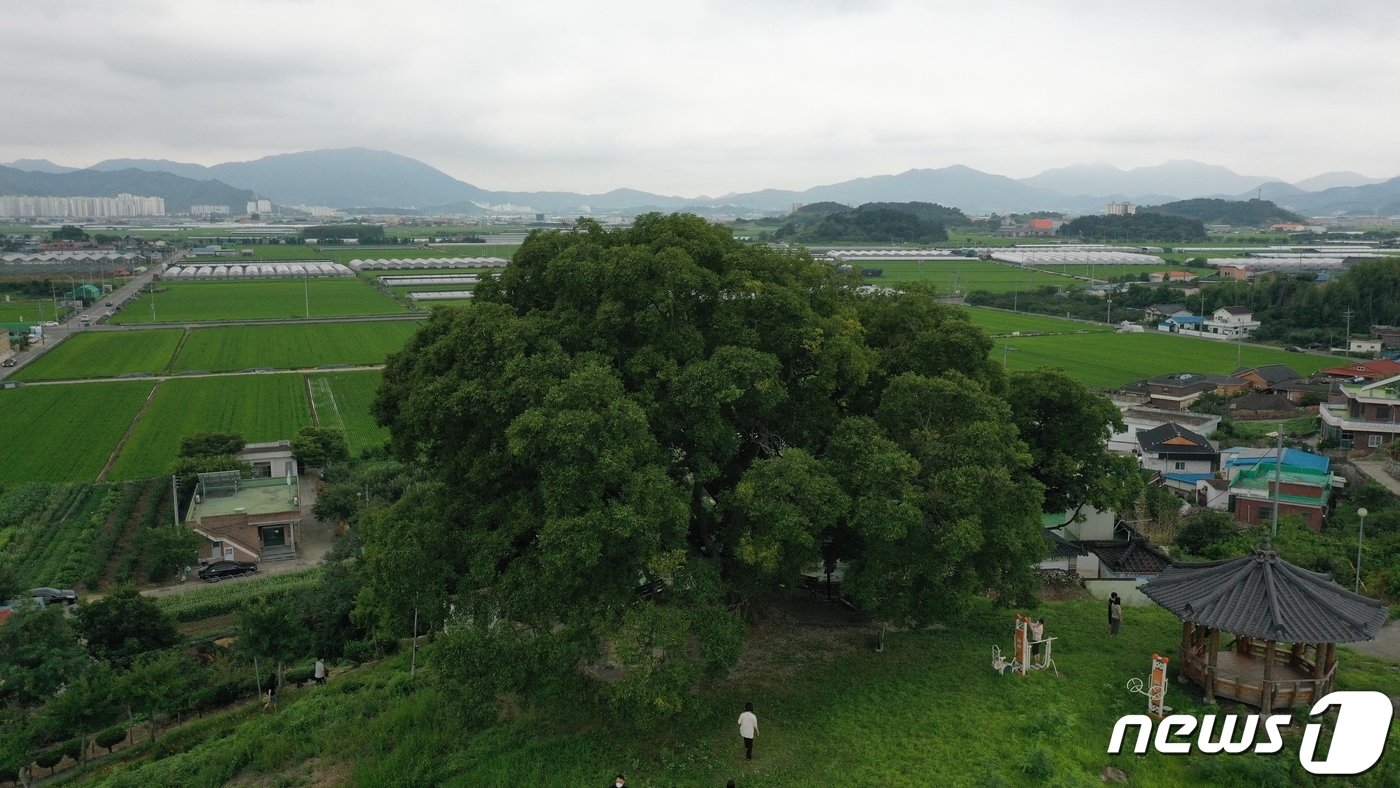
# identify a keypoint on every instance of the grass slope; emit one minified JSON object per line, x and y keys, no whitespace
{"x":259,"y":407}
{"x":64,"y":433}
{"x":103,"y":354}
{"x":192,"y":302}
{"x":291,"y":346}
{"x":1112,"y":360}
{"x":342,"y":402}
{"x":927,"y":711}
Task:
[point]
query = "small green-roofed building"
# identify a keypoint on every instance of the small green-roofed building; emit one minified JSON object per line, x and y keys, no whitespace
{"x":1306,"y":492}
{"x":245,"y":519}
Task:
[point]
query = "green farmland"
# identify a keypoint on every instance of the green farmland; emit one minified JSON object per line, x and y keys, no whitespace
{"x":996,"y":321}
{"x":29,"y":311}
{"x":965,"y":276}
{"x":1112,"y":360}
{"x":229,"y":348}
{"x":259,"y":407}
{"x":344,"y":254}
{"x":105,"y":354}
{"x":342,"y":402}
{"x":64,"y":433}
{"x":1105,"y":272}
{"x":196,"y":302}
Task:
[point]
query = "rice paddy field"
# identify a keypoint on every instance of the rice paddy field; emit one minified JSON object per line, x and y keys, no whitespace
{"x":195,"y":302}
{"x":1110,"y":360}
{"x":997,"y":322}
{"x":229,"y":348}
{"x":342,"y":402}
{"x":966,"y":276}
{"x":104,"y":354}
{"x":66,"y":432}
{"x":1104,"y":272}
{"x":258,"y":407}
{"x":32,"y":311}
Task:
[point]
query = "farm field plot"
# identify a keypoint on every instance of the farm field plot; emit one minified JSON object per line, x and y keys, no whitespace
{"x":227,"y":348}
{"x":262,"y":252}
{"x":345,"y":254}
{"x":192,"y":302}
{"x":258,"y":407}
{"x":996,"y":321}
{"x":105,"y":354}
{"x":1111,"y":360}
{"x":342,"y":402}
{"x":29,"y":311}
{"x":66,"y":432}
{"x":446,"y":302}
{"x":966,"y":276}
{"x":1111,"y":271}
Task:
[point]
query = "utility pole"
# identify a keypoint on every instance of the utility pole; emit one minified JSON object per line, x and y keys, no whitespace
{"x":1346,"y":340}
{"x":1278,"y":475}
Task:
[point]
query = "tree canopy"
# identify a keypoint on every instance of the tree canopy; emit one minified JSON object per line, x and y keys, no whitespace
{"x":632,"y":435}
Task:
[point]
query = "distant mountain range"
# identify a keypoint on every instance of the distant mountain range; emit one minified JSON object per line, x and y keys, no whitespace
{"x":351,"y":178}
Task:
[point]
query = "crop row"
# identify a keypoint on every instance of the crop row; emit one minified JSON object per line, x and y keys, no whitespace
{"x":217,"y":600}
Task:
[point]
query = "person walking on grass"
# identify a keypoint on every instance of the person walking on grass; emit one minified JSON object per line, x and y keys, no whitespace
{"x":320,"y":672}
{"x":1115,"y":614}
{"x":748,"y":729}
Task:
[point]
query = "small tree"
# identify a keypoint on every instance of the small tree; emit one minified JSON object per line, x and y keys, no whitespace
{"x":267,"y":629}
{"x":124,"y":624}
{"x":208,"y":444}
{"x":318,"y":446}
{"x":157,"y":684}
{"x":1206,"y":532}
{"x":38,"y":654}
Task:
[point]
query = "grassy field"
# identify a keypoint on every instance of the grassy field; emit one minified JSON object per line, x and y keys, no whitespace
{"x":996,"y":321}
{"x":104,"y":354}
{"x":965,"y":276}
{"x":927,"y":711}
{"x":64,"y":433}
{"x":35,"y":311}
{"x":348,"y":253}
{"x":1111,"y":360}
{"x":259,"y":407}
{"x":446,"y":302}
{"x":192,"y":302}
{"x":228,"y":348}
{"x":342,"y":402}
{"x":1104,"y":272}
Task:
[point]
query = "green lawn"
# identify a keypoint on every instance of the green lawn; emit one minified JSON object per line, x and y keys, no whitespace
{"x":928,"y":711}
{"x":190,"y":302}
{"x":1112,"y":360}
{"x":342,"y":402}
{"x":259,"y":407}
{"x":965,"y":276}
{"x":996,"y":321}
{"x":32,"y":311}
{"x":228,"y":348}
{"x":104,"y":354}
{"x":64,"y":433}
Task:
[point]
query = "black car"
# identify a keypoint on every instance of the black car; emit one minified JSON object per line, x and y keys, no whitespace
{"x":55,"y":596}
{"x":9,"y":362}
{"x":1293,"y":349}
{"x":219,"y":570}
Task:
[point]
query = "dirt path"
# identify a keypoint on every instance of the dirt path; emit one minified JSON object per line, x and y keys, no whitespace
{"x":1386,"y":645}
{"x":130,"y":428}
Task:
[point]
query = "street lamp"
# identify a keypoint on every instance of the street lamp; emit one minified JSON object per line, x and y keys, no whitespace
{"x":1360,"y":530}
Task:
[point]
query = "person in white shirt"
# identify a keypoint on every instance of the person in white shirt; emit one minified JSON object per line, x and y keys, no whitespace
{"x":748,"y":729}
{"x":320,"y":673}
{"x":1037,"y":635}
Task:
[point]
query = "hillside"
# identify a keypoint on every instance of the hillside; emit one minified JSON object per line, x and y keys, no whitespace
{"x":179,"y":193}
{"x":1236,"y":213}
{"x":1136,"y":227}
{"x":869,"y":223}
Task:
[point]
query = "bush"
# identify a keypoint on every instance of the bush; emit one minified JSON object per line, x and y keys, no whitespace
{"x":108,"y":738}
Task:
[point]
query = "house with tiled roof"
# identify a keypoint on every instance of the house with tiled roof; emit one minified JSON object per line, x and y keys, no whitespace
{"x":1375,"y":369}
{"x":1135,"y":557}
{"x":1177,"y":452}
{"x":1264,"y":378}
{"x":1164,"y":311}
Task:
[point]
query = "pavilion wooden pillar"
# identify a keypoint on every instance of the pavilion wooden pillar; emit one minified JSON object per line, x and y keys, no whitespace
{"x":1319,"y":664}
{"x":1185,"y":642}
{"x":1214,"y":647}
{"x":1266,"y":689}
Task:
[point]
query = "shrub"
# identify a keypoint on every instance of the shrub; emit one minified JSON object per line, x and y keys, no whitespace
{"x":108,"y":738}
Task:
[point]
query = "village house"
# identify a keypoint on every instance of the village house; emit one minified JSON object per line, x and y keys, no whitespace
{"x":245,"y":519}
{"x":1231,"y":321}
{"x":1182,"y":456}
{"x":1367,"y":417}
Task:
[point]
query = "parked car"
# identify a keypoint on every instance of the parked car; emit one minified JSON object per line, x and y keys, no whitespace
{"x":1293,"y":349}
{"x":9,"y":362}
{"x":53,"y":596}
{"x":219,"y":570}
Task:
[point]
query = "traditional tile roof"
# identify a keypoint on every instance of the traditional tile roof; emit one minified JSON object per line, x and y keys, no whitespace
{"x":1270,"y":373}
{"x":1370,"y":370}
{"x":1172,"y":438}
{"x":1259,"y":401}
{"x":1263,"y":596}
{"x":1061,"y":547}
{"x":1133,"y":556}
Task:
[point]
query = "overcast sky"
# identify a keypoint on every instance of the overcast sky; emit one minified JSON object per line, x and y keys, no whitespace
{"x":708,"y":97}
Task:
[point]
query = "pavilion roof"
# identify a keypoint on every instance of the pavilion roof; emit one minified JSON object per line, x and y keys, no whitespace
{"x":1263,"y":596}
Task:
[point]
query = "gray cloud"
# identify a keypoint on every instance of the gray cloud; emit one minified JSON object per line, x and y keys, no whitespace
{"x":707,"y":97}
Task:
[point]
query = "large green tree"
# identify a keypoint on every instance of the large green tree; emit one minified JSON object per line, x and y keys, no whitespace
{"x":633,"y":435}
{"x":123,"y":625}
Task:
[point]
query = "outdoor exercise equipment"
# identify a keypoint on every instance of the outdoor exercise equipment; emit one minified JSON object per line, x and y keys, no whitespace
{"x":1157,"y":690}
{"x":1021,"y":660}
